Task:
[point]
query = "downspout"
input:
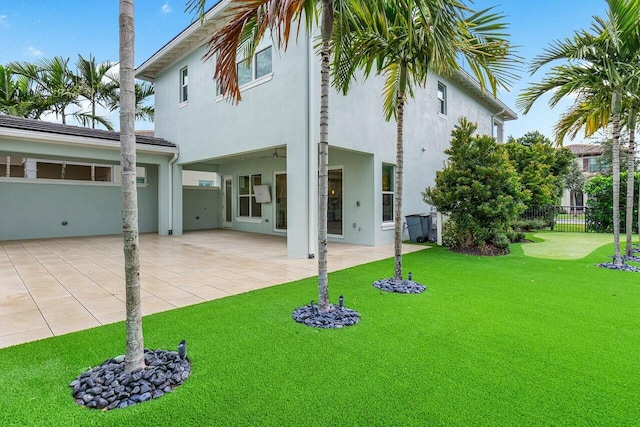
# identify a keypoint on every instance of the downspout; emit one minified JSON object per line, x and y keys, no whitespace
{"x":493,"y":124}
{"x":312,"y":158}
{"x":171,"y":162}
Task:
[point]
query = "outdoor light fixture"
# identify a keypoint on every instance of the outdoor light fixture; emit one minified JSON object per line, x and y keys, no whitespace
{"x":182,"y":349}
{"x":341,"y":301}
{"x":410,"y":276}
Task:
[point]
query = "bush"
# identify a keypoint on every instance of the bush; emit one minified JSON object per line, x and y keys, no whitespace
{"x":501,"y":241}
{"x":529,"y":224}
{"x":516,"y":236}
{"x":600,"y":214}
{"x":479,"y":189}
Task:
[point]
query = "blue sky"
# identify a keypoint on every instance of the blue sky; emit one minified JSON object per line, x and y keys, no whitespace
{"x":30,"y":30}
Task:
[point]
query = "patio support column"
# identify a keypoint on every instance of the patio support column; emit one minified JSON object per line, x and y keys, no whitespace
{"x":177,"y":199}
{"x":163,"y":199}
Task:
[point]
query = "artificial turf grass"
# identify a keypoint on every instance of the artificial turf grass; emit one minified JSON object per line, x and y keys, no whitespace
{"x":493,"y":341}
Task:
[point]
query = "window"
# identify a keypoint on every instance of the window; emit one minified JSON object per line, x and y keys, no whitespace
{"x":442,"y":99}
{"x":387,"y":192}
{"x":184,"y":84}
{"x":592,"y":164}
{"x":259,"y":67}
{"x":12,"y":166}
{"x":247,"y":205}
{"x":244,"y":72}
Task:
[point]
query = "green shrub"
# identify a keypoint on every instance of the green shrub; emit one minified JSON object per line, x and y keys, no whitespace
{"x":516,"y":236}
{"x":479,"y":188}
{"x":501,"y":241}
{"x":529,"y":224}
{"x":600,"y":203}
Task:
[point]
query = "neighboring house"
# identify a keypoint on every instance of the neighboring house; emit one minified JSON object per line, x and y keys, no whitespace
{"x":588,"y":158}
{"x":261,"y":155}
{"x":58,"y":180}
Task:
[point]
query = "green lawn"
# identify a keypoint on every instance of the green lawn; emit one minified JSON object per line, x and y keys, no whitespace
{"x":508,"y":341}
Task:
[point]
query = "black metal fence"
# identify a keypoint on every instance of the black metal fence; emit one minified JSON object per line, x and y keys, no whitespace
{"x":559,"y":218}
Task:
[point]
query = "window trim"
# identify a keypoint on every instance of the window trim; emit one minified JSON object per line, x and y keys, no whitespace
{"x":250,"y":196}
{"x":392,"y":193}
{"x":255,"y":81}
{"x":442,"y":101}
{"x":184,"y":87}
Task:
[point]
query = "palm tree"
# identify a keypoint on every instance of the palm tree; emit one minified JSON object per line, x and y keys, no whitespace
{"x":601,"y":67}
{"x":630,"y":180}
{"x":54,"y":81}
{"x":134,"y":357}
{"x":249,"y":21}
{"x":17,"y":97}
{"x":94,"y":86}
{"x":405,"y":40}
{"x":144,"y":91}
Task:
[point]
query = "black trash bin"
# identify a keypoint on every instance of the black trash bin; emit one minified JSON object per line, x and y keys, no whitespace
{"x":425,"y":225}
{"x":414,"y":226}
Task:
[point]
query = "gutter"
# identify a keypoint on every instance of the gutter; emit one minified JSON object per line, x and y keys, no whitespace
{"x":493,"y":124}
{"x":60,"y":139}
{"x":171,"y":162}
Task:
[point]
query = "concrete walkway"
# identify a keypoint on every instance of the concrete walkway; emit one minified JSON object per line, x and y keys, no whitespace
{"x":56,"y":286}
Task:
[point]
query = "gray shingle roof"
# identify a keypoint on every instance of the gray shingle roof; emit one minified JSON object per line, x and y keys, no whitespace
{"x":57,"y":128}
{"x":582,"y":150}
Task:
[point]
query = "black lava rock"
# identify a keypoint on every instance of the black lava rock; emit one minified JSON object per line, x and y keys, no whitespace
{"x":335,"y":317}
{"x":402,"y":287}
{"x":623,"y":267}
{"x":108,"y":386}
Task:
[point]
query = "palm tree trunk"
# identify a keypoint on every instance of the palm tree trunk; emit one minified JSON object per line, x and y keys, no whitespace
{"x":630,"y":183}
{"x":615,"y":108}
{"x":134,"y":357}
{"x":397,"y":214}
{"x":326,"y":27}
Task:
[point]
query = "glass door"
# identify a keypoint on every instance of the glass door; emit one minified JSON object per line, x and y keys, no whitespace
{"x":227,"y":202}
{"x":281,"y":201}
{"x":334,"y":208}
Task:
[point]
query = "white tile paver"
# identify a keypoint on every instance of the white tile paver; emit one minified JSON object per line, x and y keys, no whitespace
{"x":56,"y":286}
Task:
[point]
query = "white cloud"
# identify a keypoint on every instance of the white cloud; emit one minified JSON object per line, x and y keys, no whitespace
{"x":34,"y":51}
{"x":165,"y":7}
{"x":4,"y":21}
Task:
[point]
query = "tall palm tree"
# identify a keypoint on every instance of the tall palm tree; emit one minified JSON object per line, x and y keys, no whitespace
{"x":53,"y":80}
{"x":600,"y":67}
{"x":144,"y":91}
{"x":134,"y":357}
{"x":631,"y":163}
{"x":96,"y":87}
{"x":17,"y":97}
{"x":405,"y":40}
{"x":248,"y":24}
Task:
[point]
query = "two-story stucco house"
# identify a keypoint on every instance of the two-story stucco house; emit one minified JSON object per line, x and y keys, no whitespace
{"x":264,"y":151}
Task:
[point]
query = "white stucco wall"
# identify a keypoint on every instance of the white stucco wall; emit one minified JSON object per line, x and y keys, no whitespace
{"x":284,"y":112}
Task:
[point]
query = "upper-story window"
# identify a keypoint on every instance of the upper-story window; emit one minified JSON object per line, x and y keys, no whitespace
{"x":593,"y":164}
{"x":184,"y":84}
{"x":258,"y":68}
{"x":442,"y":99}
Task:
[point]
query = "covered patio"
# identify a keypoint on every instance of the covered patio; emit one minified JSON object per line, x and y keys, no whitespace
{"x":55,"y":286}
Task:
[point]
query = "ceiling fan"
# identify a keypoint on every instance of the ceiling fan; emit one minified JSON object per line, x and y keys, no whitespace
{"x":274,"y":155}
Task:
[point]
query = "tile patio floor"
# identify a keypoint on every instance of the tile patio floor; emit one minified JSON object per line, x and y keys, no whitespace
{"x":56,"y":286}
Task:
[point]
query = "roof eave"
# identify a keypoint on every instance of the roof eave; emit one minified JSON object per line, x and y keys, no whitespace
{"x":499,"y":108}
{"x":83,"y":141}
{"x":191,"y":37}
